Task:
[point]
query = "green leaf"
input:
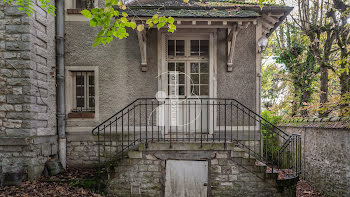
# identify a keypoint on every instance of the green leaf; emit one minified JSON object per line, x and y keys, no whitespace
{"x":170,"y":20}
{"x":86,"y":13}
{"x":125,"y":14}
{"x":133,"y":25}
{"x":93,"y":22}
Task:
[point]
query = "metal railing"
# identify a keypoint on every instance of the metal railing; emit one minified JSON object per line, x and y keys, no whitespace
{"x":198,"y":120}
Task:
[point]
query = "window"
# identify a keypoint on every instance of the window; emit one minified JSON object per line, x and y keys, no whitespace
{"x":84,"y":91}
{"x":84,"y":4}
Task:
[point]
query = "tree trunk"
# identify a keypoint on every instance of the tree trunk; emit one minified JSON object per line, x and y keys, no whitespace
{"x":305,"y":99}
{"x":324,"y":89}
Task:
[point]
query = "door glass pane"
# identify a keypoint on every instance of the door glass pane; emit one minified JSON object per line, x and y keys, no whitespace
{"x":204,"y":79}
{"x":181,"y":78}
{"x":195,"y":78}
{"x":194,"y":90}
{"x":181,"y":90}
{"x":204,"y":90}
{"x":180,"y":47}
{"x":171,"y":47}
{"x":180,"y":67}
{"x":194,"y":68}
{"x":172,"y":90}
{"x":204,"y":68}
{"x":195,"y":47}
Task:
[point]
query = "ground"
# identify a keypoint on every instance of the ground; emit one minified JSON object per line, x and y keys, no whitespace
{"x":80,"y":182}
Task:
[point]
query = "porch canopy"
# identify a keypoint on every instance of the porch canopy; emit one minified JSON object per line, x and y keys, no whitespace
{"x":233,"y":15}
{"x":210,"y":13}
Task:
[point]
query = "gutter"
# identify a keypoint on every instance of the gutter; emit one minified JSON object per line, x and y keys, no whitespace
{"x":60,"y":89}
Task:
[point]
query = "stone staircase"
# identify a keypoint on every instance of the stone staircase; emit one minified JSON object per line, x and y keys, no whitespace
{"x":231,"y":170}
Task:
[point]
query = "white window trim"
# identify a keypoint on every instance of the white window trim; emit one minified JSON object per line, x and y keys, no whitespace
{"x":69,"y":90}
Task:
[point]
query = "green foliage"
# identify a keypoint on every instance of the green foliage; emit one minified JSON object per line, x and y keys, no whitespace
{"x":28,"y":7}
{"x":114,"y":22}
{"x":271,"y":145}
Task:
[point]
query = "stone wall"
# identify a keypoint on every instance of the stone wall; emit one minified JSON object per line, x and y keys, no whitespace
{"x":325,"y":155}
{"x":27,"y":91}
{"x":229,"y":174}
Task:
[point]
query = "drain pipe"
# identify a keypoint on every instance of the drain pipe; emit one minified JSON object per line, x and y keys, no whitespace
{"x":60,"y":95}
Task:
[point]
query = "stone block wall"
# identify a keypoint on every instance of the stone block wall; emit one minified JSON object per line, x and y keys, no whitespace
{"x":82,"y":150}
{"x":27,"y":90}
{"x":145,"y":170}
{"x":325,"y":154}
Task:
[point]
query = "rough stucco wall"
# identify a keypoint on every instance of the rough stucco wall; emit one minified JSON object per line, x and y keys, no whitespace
{"x":120,"y":78}
{"x":27,"y":104}
{"x":325,"y":158}
{"x":239,"y":84}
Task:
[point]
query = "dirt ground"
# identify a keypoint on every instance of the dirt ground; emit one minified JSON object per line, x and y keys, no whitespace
{"x":79,"y":182}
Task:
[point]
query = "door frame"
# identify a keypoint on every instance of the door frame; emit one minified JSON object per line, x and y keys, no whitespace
{"x":163,"y":36}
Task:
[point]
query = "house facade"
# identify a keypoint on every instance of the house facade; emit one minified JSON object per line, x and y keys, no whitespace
{"x":167,"y":100}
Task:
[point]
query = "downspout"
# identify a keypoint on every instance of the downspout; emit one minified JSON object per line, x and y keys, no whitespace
{"x":60,"y":95}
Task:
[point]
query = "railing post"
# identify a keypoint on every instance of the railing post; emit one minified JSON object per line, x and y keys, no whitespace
{"x":225,"y":143}
{"x":146,"y":145}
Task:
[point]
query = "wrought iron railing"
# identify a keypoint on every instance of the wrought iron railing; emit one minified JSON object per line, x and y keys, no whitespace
{"x":199,"y":120}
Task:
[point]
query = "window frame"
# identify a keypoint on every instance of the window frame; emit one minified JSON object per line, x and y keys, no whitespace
{"x":70,"y":91}
{"x":86,"y":96}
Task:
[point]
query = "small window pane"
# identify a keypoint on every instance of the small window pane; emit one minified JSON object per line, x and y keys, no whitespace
{"x":80,"y":79}
{"x":204,"y":68}
{"x":171,"y":66}
{"x":180,"y":67}
{"x":194,"y":90}
{"x":91,"y":80}
{"x":204,"y":90}
{"x":194,"y":78}
{"x":204,"y":47}
{"x":180,"y":47}
{"x":80,"y":102}
{"x":195,"y":47}
{"x":171,"y":47}
{"x":204,"y":79}
{"x":92,"y":102}
{"x":91,"y":91}
{"x":194,"y":68}
{"x":80,"y":90}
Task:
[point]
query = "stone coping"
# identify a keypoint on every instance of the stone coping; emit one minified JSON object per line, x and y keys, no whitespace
{"x":331,"y":123}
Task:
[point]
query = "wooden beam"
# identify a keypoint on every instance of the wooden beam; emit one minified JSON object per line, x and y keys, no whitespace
{"x":143,"y":49}
{"x":232,"y":38}
{"x":270,"y":19}
{"x":267,"y":24}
